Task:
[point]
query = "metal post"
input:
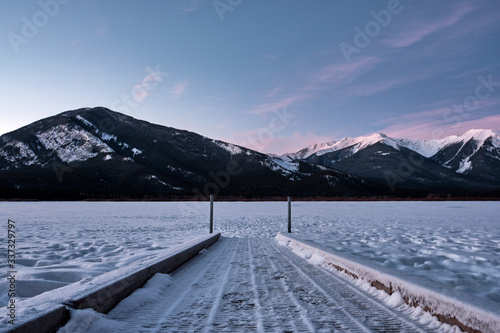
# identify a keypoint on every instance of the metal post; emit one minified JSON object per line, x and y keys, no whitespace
{"x":211,"y":213}
{"x":289,"y":215}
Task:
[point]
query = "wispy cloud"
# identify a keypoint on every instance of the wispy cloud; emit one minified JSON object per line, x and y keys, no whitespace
{"x":103,"y":28}
{"x":442,"y":121}
{"x":422,"y":29}
{"x":368,"y":88}
{"x":341,"y":73}
{"x":274,"y":92}
{"x":279,"y":103}
{"x":330,"y":76}
{"x":179,"y":89}
{"x":439,"y":130}
{"x":189,"y":6}
{"x":268,"y":59}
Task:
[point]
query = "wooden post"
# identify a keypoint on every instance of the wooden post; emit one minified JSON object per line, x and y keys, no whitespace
{"x":211,"y":213}
{"x":289,"y":215}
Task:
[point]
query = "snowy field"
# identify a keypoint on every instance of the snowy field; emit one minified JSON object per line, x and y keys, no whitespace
{"x":455,"y":243}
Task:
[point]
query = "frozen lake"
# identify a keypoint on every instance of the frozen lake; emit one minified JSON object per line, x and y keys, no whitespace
{"x":57,"y":243}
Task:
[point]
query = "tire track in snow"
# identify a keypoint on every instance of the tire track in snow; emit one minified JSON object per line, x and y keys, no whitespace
{"x":281,"y":314}
{"x":150,"y":318}
{"x":253,"y":281}
{"x":322,"y":313}
{"x":255,"y":285}
{"x":355,"y":302}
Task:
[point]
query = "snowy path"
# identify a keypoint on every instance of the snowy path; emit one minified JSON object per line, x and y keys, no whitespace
{"x":255,"y":285}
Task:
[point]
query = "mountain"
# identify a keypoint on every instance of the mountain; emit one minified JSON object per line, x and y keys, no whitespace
{"x":466,"y":163}
{"x":94,"y":153}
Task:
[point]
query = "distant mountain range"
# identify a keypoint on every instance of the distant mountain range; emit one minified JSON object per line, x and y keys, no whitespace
{"x":469,"y":162}
{"x":95,"y":153}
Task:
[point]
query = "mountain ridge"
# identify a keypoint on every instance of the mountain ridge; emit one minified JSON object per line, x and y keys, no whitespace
{"x":471,"y":160}
{"x":427,"y":148}
{"x":96,"y":152}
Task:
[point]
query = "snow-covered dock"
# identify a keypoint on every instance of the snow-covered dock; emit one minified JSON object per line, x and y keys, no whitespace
{"x":250,"y":285}
{"x":256,"y":284}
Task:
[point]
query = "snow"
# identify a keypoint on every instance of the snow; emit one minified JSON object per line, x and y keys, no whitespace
{"x":429,"y":296}
{"x":453,"y":243}
{"x":233,"y":149}
{"x":90,"y":321}
{"x":64,"y":243}
{"x":284,"y":167}
{"x":136,"y":151}
{"x":250,"y":285}
{"x":23,"y":153}
{"x":395,"y":300}
{"x":72,"y":143}
{"x":157,"y":180}
{"x":425,"y":148}
{"x":355,"y":144}
{"x":108,"y":137}
{"x":308,"y":151}
{"x":85,"y":121}
{"x":464,"y":165}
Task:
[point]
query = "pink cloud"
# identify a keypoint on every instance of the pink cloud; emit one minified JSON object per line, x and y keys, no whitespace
{"x":298,"y":140}
{"x":179,"y":89}
{"x":438,"y":129}
{"x":422,"y":29}
{"x":341,"y":73}
{"x":334,"y":74}
{"x":278,"y":104}
{"x":277,"y":144}
{"x":274,"y":92}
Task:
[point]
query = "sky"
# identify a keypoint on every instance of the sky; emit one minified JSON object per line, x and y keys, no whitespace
{"x":274,"y":76}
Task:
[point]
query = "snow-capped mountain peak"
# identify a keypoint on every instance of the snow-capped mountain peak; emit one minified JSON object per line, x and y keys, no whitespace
{"x":355,"y":144}
{"x":308,"y":151}
{"x":467,"y":153}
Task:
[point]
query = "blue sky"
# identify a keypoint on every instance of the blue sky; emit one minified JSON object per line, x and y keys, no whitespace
{"x":270,"y":75}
